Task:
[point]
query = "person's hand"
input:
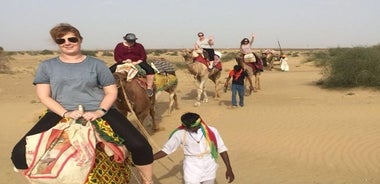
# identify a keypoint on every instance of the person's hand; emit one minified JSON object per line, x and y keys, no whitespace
{"x":93,"y":115}
{"x":211,"y":37}
{"x":76,"y":114}
{"x":127,"y":61}
{"x":230,"y":176}
{"x":253,"y":35}
{"x":251,"y":87}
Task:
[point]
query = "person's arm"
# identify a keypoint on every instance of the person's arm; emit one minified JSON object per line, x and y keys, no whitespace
{"x":252,"y":39}
{"x":229,"y":173}
{"x":141,"y":53}
{"x":159,"y":155}
{"x":110,"y":95}
{"x":211,"y":41}
{"x":227,"y":80}
{"x":44,"y":94}
{"x":118,"y":54}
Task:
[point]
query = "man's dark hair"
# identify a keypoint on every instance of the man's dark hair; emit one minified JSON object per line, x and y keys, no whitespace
{"x":189,"y":118}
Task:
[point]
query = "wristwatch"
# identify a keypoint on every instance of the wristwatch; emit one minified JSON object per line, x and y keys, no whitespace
{"x":104,"y":110}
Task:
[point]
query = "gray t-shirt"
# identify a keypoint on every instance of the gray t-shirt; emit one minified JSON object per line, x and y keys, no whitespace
{"x":74,"y":84}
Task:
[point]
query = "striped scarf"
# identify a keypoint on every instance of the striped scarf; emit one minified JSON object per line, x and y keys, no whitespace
{"x":207,"y":133}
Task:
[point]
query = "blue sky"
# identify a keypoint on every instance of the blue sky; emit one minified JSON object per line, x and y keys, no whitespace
{"x":159,"y":24}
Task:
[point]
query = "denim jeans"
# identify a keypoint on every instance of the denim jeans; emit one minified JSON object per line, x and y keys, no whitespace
{"x":239,"y":89}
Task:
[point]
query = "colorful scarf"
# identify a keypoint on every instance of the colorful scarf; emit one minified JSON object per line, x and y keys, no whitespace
{"x":207,"y":133}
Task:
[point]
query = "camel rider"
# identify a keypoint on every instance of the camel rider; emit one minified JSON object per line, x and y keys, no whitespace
{"x":206,"y":44}
{"x":131,"y":51}
{"x":246,"y":48}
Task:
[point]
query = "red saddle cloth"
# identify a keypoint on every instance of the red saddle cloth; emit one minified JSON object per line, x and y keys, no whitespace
{"x":218,"y":66}
{"x":201,"y":60}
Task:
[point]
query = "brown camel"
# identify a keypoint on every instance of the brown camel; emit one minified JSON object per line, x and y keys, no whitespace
{"x":132,"y":94}
{"x":201,"y":74}
{"x":268,"y":55}
{"x":253,"y":70}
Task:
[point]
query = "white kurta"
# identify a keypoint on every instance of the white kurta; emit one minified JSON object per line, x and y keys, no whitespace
{"x":198,"y":164}
{"x":284,"y":64}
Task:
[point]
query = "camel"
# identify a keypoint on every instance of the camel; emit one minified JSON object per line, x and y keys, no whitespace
{"x":201,"y":73}
{"x":253,"y":69}
{"x":166,"y":80}
{"x":268,"y":57}
{"x":131,"y":94}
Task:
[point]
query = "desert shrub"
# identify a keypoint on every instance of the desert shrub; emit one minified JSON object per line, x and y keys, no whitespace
{"x":180,"y":65}
{"x":174,"y":53}
{"x":4,"y":60}
{"x":320,"y":58}
{"x":351,"y":67}
{"x":46,"y":52}
{"x":107,"y":53}
{"x":228,"y":56}
{"x":89,"y":52}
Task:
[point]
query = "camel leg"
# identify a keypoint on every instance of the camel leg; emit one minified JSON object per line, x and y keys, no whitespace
{"x":200,"y":92}
{"x":217,"y":94}
{"x":152,"y":113}
{"x":257,"y":81}
{"x":175,"y":99}
{"x":172,"y":101}
{"x":204,"y":93}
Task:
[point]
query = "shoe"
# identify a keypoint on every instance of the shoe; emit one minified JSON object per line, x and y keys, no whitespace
{"x":149,"y":92}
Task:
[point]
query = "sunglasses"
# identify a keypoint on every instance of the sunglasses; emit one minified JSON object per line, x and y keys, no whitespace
{"x":200,"y":35}
{"x":62,"y":40}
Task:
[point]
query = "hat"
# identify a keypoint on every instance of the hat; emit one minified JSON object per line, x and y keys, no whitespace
{"x":218,"y":54}
{"x":130,"y":37}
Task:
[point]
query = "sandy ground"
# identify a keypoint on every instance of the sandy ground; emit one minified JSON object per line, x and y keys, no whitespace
{"x":290,"y":132}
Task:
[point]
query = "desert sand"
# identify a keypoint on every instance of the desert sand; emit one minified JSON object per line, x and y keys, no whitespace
{"x":289,"y":132}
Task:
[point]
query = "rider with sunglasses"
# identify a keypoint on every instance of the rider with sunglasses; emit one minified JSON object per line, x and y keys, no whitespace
{"x":72,"y":79}
{"x":205,"y":44}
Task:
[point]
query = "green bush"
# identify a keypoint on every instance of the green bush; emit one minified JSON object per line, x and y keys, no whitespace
{"x":4,"y":61}
{"x":46,"y":52}
{"x":350,"y":67}
{"x":89,"y":52}
{"x":107,"y":53}
{"x":228,"y":56}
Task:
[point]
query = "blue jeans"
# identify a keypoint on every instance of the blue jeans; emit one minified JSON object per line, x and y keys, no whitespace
{"x":239,"y":89}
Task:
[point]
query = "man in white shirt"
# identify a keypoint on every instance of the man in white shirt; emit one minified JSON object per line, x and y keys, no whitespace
{"x":201,"y":146}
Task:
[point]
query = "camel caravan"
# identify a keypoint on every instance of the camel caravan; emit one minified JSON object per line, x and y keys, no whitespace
{"x":108,"y":161}
{"x":102,"y":158}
